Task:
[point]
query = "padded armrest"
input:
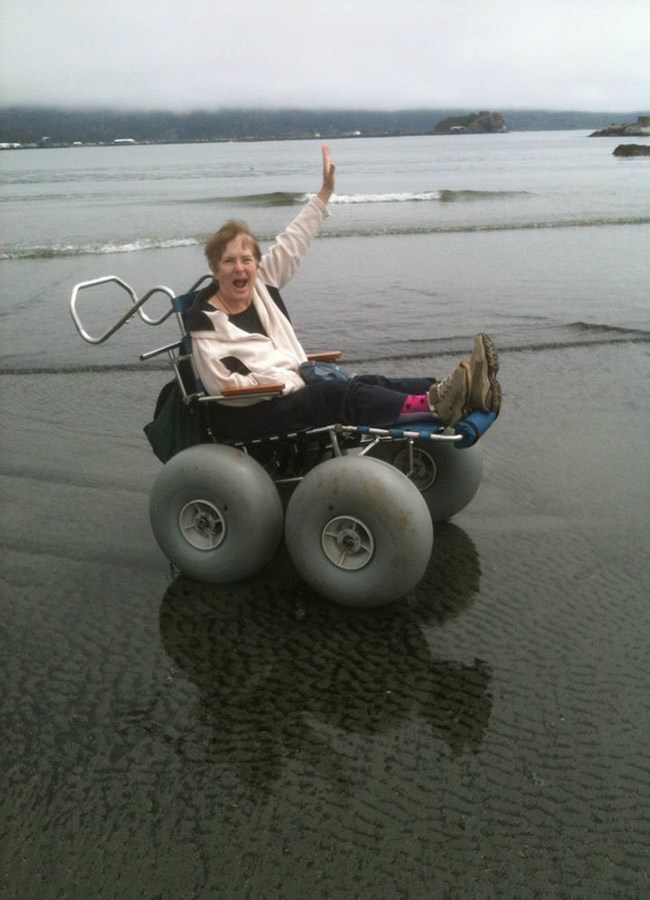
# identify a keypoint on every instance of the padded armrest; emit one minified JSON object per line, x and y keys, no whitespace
{"x":276,"y":388}
{"x":324,"y":356}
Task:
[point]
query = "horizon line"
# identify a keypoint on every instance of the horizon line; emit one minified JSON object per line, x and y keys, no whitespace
{"x":92,"y":107}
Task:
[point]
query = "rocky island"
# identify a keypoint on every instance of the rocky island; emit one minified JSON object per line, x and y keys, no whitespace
{"x":640,"y":128}
{"x":632,"y":150}
{"x":475,"y":123}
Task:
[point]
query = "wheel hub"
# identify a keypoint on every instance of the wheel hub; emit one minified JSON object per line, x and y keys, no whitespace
{"x":348,"y":542}
{"x":424,"y":470}
{"x":202,"y":525}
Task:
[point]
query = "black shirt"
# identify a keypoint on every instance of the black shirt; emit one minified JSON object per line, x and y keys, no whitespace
{"x":248,"y":320}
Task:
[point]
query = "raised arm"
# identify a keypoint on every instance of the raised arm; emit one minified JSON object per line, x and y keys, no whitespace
{"x":280,"y":262}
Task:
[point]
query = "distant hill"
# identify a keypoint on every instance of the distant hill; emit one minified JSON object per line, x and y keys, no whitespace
{"x":29,"y":125}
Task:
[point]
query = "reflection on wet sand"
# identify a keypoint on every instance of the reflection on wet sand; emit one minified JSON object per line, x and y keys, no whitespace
{"x":278,"y":671}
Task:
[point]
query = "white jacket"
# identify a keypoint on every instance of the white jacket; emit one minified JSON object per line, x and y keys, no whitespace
{"x":269,"y":359}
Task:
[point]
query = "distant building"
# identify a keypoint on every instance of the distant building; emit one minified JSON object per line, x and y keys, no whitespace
{"x":124,"y":141}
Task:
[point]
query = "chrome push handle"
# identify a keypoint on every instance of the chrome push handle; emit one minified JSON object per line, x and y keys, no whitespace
{"x":135,"y":308}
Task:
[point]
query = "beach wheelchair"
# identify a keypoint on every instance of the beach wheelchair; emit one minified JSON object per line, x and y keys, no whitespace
{"x":356,"y":505}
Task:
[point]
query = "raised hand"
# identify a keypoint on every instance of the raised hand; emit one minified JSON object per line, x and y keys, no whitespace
{"x":329,"y":170}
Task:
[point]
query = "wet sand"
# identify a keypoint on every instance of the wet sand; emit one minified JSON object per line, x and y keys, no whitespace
{"x":487,"y":737}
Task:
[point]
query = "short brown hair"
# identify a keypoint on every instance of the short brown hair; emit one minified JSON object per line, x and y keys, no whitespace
{"x":215,"y":246}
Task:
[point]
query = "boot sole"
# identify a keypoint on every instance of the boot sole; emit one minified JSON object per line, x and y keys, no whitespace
{"x":491,"y":354}
{"x":494,"y":394}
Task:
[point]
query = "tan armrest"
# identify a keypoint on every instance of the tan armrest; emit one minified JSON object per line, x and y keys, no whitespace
{"x":275,"y":388}
{"x":325,"y":356}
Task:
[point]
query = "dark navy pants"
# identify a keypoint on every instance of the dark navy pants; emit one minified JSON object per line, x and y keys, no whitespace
{"x":374,"y":400}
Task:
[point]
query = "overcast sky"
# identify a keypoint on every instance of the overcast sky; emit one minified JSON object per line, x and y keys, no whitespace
{"x":379,"y":54}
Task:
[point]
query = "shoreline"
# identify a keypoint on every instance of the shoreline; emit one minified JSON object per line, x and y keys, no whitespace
{"x":335,"y":136}
{"x":253,"y":139}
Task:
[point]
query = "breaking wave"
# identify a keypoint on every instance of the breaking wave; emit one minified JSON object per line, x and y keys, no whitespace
{"x":291,"y":198}
{"x":96,"y":248}
{"x":465,"y":228}
{"x":443,"y":196}
{"x":270,"y":199}
{"x":473,"y":196}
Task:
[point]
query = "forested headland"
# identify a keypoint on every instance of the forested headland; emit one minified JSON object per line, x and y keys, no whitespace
{"x":30,"y":125}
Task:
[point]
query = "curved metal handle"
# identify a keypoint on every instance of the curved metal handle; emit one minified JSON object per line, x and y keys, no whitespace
{"x":159,"y":289}
{"x":137,"y":304}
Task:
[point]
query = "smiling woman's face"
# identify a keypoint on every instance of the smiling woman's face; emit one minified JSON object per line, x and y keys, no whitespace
{"x":236,"y":271}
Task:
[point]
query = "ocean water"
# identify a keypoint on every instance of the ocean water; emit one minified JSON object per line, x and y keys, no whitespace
{"x":539,"y":238}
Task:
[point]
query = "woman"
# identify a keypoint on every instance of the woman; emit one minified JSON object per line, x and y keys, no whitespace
{"x":242,"y":338}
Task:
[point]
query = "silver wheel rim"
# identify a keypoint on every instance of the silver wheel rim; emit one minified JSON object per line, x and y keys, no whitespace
{"x":348,"y":543}
{"x":424,"y":467}
{"x":202,"y":525}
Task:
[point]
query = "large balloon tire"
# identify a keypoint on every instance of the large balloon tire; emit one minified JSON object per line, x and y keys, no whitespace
{"x":358,"y":532}
{"x":216,"y":514}
{"x":447,"y":478}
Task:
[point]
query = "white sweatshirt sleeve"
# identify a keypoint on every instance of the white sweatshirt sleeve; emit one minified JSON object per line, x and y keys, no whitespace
{"x":280,"y":262}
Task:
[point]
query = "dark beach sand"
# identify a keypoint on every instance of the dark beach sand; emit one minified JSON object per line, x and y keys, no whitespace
{"x":486,"y":738}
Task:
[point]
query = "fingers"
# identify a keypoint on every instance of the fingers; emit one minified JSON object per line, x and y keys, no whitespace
{"x":328,"y":175}
{"x":328,"y":165}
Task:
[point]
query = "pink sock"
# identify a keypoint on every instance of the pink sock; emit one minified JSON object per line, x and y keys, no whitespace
{"x":416,"y":406}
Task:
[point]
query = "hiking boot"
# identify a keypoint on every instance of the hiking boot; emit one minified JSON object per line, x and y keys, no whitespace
{"x":448,"y":399}
{"x":484,"y":389}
